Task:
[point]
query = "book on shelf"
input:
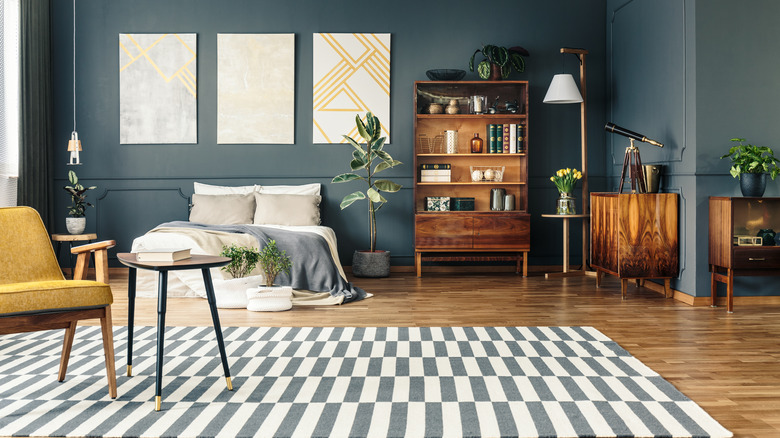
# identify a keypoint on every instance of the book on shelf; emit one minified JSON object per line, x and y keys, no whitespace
{"x":435,"y":166}
{"x":492,"y":138}
{"x":505,"y":141}
{"x":499,"y":139}
{"x":520,"y":136}
{"x":431,"y":172}
{"x":163,"y":255}
{"x":513,"y":138}
{"x":435,"y":178}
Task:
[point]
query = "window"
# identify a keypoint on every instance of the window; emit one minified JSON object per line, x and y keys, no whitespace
{"x":9,"y":101}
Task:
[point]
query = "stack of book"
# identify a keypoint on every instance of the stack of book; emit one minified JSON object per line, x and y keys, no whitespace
{"x":435,"y":172}
{"x":506,"y":138}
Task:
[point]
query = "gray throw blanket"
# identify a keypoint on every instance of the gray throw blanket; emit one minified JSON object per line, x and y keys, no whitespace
{"x":313,"y":267}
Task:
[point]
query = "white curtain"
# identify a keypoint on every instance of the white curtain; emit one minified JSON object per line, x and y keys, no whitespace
{"x":9,"y":101}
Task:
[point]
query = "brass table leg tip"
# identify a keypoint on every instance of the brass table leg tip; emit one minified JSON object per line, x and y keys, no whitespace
{"x":129,"y":371}
{"x":229,"y":384}
{"x":157,"y":403}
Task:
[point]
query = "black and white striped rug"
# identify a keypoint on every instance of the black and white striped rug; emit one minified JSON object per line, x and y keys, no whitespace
{"x":346,"y":382}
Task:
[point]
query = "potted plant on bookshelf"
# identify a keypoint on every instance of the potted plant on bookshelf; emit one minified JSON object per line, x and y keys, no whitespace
{"x":77,"y":220}
{"x":499,"y":61}
{"x":750,"y":164}
{"x":271,"y":297}
{"x":231,"y":292}
{"x":370,"y":158}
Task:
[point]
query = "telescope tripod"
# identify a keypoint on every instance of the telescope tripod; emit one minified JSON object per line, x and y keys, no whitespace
{"x":636,"y":171}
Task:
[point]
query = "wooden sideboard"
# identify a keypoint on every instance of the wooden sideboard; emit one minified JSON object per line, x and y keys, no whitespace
{"x":741,"y":216}
{"x":634,"y":236}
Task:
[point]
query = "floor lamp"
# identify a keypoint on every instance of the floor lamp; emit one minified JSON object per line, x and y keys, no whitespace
{"x":564,"y":90}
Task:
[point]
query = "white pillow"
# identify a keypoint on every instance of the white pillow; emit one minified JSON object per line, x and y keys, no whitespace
{"x":291,"y":210}
{"x":207,"y":189}
{"x":303,"y":189}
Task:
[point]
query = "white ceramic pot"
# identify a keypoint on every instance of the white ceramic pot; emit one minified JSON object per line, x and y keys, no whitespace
{"x":269,"y":299}
{"x":231,"y":294}
{"x":75,"y":225}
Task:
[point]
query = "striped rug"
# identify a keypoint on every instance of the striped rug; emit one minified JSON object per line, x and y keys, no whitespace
{"x":340,"y":382}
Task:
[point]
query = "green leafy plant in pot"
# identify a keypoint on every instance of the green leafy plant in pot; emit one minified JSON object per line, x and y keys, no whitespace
{"x":243,"y":260}
{"x":77,"y":221}
{"x":499,"y":61}
{"x":273,"y":261}
{"x":750,"y":164}
{"x":370,"y":159}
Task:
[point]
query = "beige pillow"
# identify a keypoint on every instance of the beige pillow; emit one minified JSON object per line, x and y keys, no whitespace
{"x":222,"y":209}
{"x":290,"y":210}
{"x":303,"y":189}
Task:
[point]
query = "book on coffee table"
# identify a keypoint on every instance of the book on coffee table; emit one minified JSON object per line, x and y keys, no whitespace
{"x":163,"y":255}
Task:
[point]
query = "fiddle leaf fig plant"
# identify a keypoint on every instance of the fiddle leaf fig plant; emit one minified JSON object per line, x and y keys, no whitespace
{"x":371,"y":159}
{"x":78,"y":196}
{"x":505,"y":58}
{"x":747,"y":158}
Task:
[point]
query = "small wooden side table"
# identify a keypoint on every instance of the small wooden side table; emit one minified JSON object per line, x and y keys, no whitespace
{"x":70,"y":238}
{"x":566,"y":272}
{"x":202,"y":262}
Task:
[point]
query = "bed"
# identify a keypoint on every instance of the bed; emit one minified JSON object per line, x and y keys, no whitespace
{"x":251,"y":216}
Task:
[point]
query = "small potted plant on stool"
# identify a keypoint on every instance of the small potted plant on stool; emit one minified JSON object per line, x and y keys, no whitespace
{"x":271,"y":297}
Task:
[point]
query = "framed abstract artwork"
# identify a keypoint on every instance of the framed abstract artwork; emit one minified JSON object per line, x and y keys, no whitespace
{"x":351,"y":76}
{"x":158,"y":92}
{"x":256,"y":88}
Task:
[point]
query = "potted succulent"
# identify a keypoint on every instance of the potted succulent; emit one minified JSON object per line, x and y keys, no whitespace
{"x":750,"y":164}
{"x":76,"y":220}
{"x":371,"y":159}
{"x":273,"y":261}
{"x":499,"y":61}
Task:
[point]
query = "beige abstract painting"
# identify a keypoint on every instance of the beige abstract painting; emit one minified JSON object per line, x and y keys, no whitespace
{"x":158,"y":92}
{"x":256,"y":88}
{"x":351,"y":76}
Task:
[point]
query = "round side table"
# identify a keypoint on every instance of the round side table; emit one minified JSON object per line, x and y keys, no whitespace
{"x":70,"y":238}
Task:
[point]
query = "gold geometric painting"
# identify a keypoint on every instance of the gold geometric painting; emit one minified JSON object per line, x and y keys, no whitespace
{"x":351,"y":76}
{"x":158,"y":88}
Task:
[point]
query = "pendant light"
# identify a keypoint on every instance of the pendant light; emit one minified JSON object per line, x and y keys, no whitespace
{"x":74,"y":144}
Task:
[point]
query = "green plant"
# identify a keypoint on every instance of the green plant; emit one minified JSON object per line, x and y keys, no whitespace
{"x":78,"y":196}
{"x":566,"y":179}
{"x":243,"y":260}
{"x":364,"y":157}
{"x":273,"y":261}
{"x":747,"y":158}
{"x":502,"y":57}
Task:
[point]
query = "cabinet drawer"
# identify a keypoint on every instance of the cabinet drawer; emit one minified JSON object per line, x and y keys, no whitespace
{"x":756,"y":258}
{"x":443,"y":231}
{"x":510,"y":231}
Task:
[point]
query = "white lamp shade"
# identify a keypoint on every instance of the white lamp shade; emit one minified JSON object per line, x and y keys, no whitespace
{"x":563,"y":89}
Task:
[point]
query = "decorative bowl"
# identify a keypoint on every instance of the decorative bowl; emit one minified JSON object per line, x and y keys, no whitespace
{"x":445,"y":74}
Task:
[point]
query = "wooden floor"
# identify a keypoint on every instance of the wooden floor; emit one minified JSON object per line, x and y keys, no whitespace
{"x":728,"y":363}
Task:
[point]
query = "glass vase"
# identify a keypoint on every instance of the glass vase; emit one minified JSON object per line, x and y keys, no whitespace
{"x":565,"y":204}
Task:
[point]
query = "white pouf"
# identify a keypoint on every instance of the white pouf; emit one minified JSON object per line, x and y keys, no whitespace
{"x":269,"y":299}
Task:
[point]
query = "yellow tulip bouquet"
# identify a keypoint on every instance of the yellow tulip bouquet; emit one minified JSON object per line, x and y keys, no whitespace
{"x":566,"y":179}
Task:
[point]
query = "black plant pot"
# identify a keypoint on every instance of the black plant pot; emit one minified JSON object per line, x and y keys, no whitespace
{"x":371,"y":264}
{"x":752,"y":184}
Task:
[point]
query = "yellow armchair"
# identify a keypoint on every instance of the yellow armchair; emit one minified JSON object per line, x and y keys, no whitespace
{"x":34,"y":295}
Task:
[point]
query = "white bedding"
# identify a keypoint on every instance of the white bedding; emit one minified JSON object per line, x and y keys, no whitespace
{"x":189,"y":283}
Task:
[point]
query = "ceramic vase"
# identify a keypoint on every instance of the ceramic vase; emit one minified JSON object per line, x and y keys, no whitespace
{"x":75,"y":225}
{"x":752,"y":184}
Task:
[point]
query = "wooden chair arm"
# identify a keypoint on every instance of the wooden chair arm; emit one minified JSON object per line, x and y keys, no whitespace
{"x":97,"y":246}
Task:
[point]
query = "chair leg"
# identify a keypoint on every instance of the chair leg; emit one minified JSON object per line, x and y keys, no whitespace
{"x":67,"y":343}
{"x":101,"y":266}
{"x":106,"y":327}
{"x":82,"y":263}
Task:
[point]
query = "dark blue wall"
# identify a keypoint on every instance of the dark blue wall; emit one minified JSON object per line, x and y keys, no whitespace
{"x":694,"y":74}
{"x":140,"y":186}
